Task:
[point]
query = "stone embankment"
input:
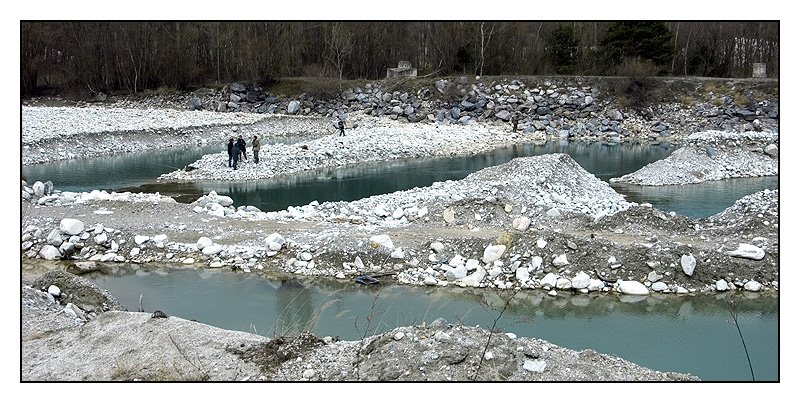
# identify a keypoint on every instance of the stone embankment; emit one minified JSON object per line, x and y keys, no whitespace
{"x":67,"y":336}
{"x":712,"y":155}
{"x":554,"y":108}
{"x":533,"y":223}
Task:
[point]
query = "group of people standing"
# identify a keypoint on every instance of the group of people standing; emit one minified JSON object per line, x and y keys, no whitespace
{"x":238,"y":150}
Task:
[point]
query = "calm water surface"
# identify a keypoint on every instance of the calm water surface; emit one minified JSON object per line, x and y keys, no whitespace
{"x":138,"y":173}
{"x":692,"y":334}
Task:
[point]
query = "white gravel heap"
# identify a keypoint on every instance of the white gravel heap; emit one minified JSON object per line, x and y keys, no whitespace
{"x":711,"y":155}
{"x":540,"y":183}
{"x":42,"y":123}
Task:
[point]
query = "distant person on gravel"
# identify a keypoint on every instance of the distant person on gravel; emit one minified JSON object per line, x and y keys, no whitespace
{"x":256,"y":148}
{"x":242,"y":146}
{"x":230,"y":152}
{"x":340,"y":126}
{"x":236,"y":152}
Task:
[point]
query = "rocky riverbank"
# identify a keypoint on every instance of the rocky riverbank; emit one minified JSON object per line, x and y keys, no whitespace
{"x":533,"y":223}
{"x":71,"y":331}
{"x":543,"y":107}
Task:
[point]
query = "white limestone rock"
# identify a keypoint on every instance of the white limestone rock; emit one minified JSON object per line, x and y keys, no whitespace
{"x":537,"y":366}
{"x":659,"y":286}
{"x":631,"y":288}
{"x":474,"y":279}
{"x":549,"y":280}
{"x":449,"y":215}
{"x":49,"y":252}
{"x":358,"y":263}
{"x":747,"y":251}
{"x":54,"y":291}
{"x":212,"y":249}
{"x":382,"y":240}
{"x":101,"y":239}
{"x":203,"y":242}
{"x":653,"y":276}
{"x":398,"y":254}
{"x":753,"y":285}
{"x":688,"y":263}
{"x":721,"y":285}
{"x":596,"y":285}
{"x":541,"y":243}
{"x":521,"y":223}
{"x":71,"y":226}
{"x":563,"y":283}
{"x":54,"y":238}
{"x":437,"y":247}
{"x":522,"y":274}
{"x":430,"y":280}
{"x":492,"y":253}
{"x":581,"y":280}
{"x":140,"y":239}
{"x":454,"y":273}
{"x":560,"y":260}
{"x":472,"y":264}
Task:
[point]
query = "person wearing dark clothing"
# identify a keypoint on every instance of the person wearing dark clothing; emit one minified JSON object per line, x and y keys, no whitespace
{"x":256,"y":148}
{"x":340,"y":126}
{"x":236,"y":152}
{"x":242,"y":146}
{"x":230,"y":152}
{"x":514,"y":121}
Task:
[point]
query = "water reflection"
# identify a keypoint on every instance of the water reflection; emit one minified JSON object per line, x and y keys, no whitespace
{"x":293,"y":309}
{"x":706,"y":198}
{"x":665,"y":332}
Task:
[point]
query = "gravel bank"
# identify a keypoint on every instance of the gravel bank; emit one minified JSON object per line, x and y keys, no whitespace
{"x":60,"y":133}
{"x":712,"y":155}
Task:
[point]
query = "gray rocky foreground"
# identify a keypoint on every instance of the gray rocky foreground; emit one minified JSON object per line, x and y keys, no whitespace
{"x":60,"y":344}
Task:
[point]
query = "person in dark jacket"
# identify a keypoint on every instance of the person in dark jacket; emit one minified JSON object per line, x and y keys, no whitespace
{"x":236,"y":152}
{"x":230,"y":152}
{"x":340,"y":126}
{"x":256,"y":147}
{"x":242,"y":146}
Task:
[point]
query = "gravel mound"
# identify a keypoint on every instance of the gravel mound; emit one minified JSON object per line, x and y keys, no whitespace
{"x":712,"y":156}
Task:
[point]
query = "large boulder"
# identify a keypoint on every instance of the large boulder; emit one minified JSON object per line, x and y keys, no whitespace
{"x":50,"y":252}
{"x":71,"y":226}
{"x":492,"y":253}
{"x":747,"y":251}
{"x":631,"y":288}
{"x":688,"y":263}
{"x":293,"y":107}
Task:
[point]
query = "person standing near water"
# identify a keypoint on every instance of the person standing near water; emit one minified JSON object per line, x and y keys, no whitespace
{"x":230,"y":152}
{"x":256,"y":148}
{"x":242,"y":146}
{"x":236,"y":152}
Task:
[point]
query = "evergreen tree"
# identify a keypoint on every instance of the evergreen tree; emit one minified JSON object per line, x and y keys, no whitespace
{"x":648,"y":40}
{"x":563,"y":49}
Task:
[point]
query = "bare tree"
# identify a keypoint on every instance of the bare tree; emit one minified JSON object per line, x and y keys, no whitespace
{"x":339,"y":45}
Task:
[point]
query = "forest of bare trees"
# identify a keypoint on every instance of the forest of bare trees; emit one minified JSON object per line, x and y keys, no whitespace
{"x":135,"y":56}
